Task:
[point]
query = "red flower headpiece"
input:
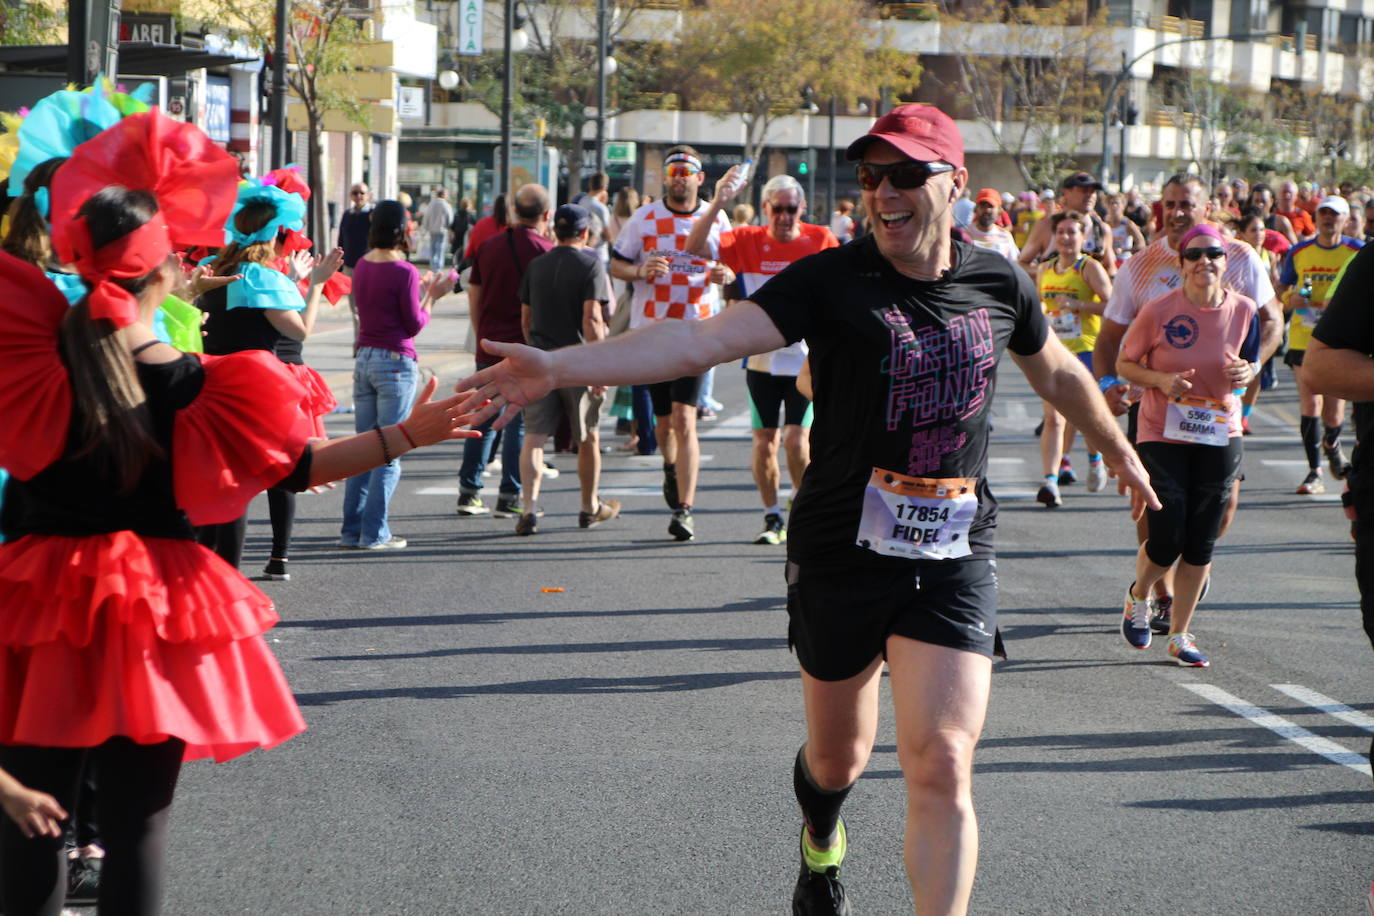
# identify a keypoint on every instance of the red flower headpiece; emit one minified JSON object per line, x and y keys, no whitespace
{"x":193,"y":180}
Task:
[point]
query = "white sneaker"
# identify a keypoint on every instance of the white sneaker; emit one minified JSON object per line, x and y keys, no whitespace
{"x":550,"y":472}
{"x":1097,"y":476}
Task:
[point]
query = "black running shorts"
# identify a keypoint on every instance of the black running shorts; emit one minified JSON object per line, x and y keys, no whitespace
{"x":839,"y":620}
{"x":770,"y":395}
{"x":685,"y":390}
{"x":1294,"y":358}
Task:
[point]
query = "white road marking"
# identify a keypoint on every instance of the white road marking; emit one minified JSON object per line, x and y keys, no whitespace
{"x":438,"y":491}
{"x":1015,"y":415}
{"x":1323,"y":703}
{"x":1285,"y":463}
{"x":1280,"y":726}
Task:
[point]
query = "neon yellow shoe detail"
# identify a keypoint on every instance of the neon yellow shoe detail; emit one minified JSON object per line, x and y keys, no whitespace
{"x":819,"y":860}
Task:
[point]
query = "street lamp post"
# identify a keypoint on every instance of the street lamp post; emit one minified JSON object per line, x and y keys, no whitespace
{"x":507,"y":90}
{"x":830,"y":163}
{"x":1109,"y":101}
{"x":600,"y":87}
{"x":279,"y":88}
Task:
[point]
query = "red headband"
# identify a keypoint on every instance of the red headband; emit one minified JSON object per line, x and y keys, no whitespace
{"x":132,"y":255}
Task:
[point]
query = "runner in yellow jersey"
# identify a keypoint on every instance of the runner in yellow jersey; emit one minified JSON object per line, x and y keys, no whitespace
{"x":1304,"y":288}
{"x":1025,"y":218}
{"x":1074,"y":289}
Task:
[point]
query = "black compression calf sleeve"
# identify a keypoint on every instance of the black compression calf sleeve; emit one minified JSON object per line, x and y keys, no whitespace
{"x":1331,"y":435}
{"x":820,"y":807}
{"x":1310,"y":438}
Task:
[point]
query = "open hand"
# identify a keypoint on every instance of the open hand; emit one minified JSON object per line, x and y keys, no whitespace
{"x":523,"y":377}
{"x":36,"y":813}
{"x":1132,"y":478}
{"x":326,"y":266}
{"x":200,"y":281}
{"x":437,"y":421}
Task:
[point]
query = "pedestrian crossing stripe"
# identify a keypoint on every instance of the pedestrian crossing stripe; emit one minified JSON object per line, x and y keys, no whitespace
{"x":1316,"y":744}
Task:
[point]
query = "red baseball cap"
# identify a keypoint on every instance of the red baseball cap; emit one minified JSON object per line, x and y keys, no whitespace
{"x":989,"y":196}
{"x":922,"y":132}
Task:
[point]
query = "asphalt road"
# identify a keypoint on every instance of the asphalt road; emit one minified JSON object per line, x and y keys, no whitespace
{"x":623,"y":745}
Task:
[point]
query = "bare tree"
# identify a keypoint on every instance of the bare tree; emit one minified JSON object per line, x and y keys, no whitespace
{"x":756,"y":58}
{"x":1030,"y":75}
{"x":323,"y":40}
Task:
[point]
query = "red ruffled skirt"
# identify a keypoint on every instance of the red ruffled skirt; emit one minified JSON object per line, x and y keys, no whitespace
{"x":148,"y":638}
{"x":318,"y":400}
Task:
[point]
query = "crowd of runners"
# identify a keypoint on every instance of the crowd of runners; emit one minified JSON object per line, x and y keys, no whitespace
{"x":871,"y":347}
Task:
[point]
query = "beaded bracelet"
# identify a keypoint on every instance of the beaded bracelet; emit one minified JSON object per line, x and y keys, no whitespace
{"x":381,"y":437}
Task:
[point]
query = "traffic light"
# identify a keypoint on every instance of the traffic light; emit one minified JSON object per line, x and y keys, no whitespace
{"x":804,"y":167}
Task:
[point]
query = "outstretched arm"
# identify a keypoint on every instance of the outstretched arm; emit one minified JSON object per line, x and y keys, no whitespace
{"x":429,"y":422}
{"x":668,"y":349}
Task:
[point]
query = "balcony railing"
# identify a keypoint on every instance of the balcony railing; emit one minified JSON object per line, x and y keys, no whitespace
{"x":1175,"y":25}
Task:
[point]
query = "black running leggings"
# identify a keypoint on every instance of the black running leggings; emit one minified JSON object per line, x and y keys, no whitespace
{"x":1194,"y":484}
{"x":227,"y":539}
{"x":137,"y":782}
{"x":281,"y":506}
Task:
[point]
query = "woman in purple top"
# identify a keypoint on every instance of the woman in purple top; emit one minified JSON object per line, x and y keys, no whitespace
{"x":394,"y":304}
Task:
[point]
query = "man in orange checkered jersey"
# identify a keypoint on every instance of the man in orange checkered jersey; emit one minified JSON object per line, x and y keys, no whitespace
{"x":671,"y":284}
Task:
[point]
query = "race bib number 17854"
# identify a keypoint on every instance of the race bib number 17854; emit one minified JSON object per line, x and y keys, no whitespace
{"x":918,"y":517}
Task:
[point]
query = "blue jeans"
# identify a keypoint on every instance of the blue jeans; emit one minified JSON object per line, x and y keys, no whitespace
{"x":383,"y":390}
{"x":477,"y":452}
{"x":438,"y":244}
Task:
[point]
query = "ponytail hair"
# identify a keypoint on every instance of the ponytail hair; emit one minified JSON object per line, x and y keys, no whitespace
{"x":28,"y":237}
{"x":250,"y":218}
{"x":115,"y":425}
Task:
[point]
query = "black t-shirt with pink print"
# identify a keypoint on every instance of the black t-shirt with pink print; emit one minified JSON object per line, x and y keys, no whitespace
{"x":904,"y":373}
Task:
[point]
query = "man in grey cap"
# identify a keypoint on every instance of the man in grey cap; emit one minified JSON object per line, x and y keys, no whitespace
{"x":562,"y":297}
{"x":1077,"y":192}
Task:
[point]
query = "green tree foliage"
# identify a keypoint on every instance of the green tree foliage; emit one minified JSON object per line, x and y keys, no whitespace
{"x":323,"y":42}
{"x":27,"y":22}
{"x":756,"y":58}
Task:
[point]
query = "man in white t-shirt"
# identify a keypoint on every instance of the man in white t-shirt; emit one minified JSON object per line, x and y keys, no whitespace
{"x":670,"y":283}
{"x":984,"y":231}
{"x":842,"y":221}
{"x":1154,"y":272}
{"x":435,"y":225}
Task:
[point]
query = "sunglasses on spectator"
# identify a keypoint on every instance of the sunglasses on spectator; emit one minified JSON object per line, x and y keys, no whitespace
{"x":679,"y":170}
{"x":905,"y":176}
{"x":1212,"y":253}
{"x":359,"y":193}
{"x":779,"y":208}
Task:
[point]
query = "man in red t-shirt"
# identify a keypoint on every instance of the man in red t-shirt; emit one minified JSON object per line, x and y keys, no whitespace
{"x":1286,"y":205}
{"x":494,"y":311}
{"x":756,"y":253}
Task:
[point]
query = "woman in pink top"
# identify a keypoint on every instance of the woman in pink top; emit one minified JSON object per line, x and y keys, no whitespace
{"x":1191,"y":350}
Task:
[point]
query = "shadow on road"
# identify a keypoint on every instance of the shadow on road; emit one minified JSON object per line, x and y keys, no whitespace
{"x":670,"y":683}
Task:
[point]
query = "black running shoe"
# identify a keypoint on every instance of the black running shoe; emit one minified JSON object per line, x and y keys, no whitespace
{"x":819,"y":893}
{"x":83,"y":880}
{"x":682,"y":526}
{"x":1163,"y":617}
{"x":670,"y":495}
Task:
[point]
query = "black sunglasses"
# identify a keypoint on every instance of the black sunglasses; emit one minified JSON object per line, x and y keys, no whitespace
{"x":1213,"y":253}
{"x":778,"y":208}
{"x":905,"y":176}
